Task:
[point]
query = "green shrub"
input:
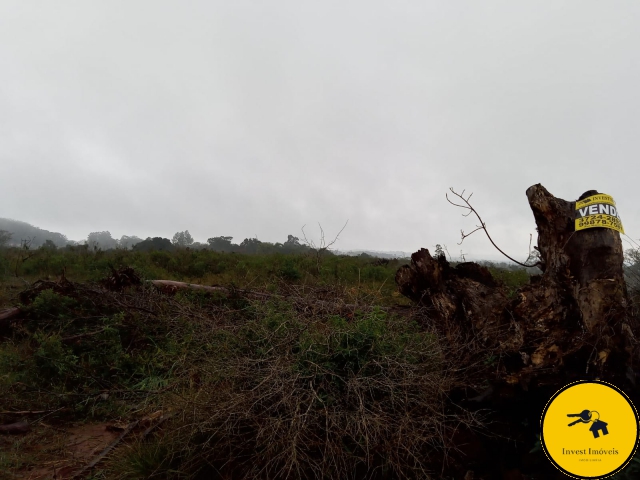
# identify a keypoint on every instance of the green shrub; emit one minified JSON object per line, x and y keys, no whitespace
{"x":161,"y":259}
{"x":289,"y":271}
{"x":144,"y":460}
{"x":374,"y":273}
{"x":53,"y":358}
{"x":50,"y":304}
{"x":513,"y":279}
{"x":5,"y":267}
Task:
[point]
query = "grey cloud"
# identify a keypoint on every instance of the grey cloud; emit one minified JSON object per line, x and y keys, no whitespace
{"x":254,"y":118}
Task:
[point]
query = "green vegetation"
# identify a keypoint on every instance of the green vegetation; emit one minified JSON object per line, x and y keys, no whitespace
{"x":202,"y":266}
{"x":512,"y":278}
{"x":283,"y":387}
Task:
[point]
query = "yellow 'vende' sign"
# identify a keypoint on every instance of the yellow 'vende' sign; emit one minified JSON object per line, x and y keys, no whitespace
{"x":590,"y":429}
{"x":598,"y":211}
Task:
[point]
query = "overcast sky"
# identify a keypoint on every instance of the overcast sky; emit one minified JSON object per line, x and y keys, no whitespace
{"x":254,"y":118}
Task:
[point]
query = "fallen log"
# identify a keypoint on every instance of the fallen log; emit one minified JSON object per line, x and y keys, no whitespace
{"x":463,"y":301}
{"x":9,"y":313}
{"x":171,"y":287}
{"x":14,"y":428}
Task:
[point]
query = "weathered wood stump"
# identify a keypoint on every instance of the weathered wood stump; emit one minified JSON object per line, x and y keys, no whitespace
{"x":577,"y":317}
{"x":571,"y":322}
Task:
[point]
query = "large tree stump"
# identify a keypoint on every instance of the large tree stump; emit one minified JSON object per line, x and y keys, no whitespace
{"x":571,"y":322}
{"x":589,"y":260}
{"x":576,"y":318}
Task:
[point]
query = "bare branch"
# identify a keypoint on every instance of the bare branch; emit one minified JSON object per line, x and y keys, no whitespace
{"x":307,"y":242}
{"x":323,"y":246}
{"x":338,"y":235}
{"x":465,"y":235}
{"x":25,"y":245}
{"x":467,"y":206}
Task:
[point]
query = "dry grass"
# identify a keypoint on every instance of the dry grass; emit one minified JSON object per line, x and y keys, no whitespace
{"x":258,"y":389}
{"x":288,"y":395}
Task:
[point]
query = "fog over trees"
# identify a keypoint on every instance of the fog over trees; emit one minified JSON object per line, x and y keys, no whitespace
{"x":36,"y":236}
{"x":102,"y":240}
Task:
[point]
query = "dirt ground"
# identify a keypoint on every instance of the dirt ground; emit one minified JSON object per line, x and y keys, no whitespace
{"x":51,"y":452}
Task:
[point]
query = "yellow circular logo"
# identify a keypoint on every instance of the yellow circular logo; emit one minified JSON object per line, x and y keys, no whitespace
{"x":589,"y":429}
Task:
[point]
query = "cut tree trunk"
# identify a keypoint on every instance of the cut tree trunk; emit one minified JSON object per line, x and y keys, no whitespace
{"x":578,"y":315}
{"x":571,"y":322}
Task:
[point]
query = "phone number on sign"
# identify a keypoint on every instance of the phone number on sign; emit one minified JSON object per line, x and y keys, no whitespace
{"x":599,"y":221}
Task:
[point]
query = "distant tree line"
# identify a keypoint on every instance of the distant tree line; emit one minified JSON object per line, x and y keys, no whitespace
{"x":14,"y":233}
{"x":104,"y":241}
{"x":221,"y":244}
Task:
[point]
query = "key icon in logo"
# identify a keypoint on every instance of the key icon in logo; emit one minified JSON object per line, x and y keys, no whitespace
{"x":584,"y":417}
{"x":587,"y":416}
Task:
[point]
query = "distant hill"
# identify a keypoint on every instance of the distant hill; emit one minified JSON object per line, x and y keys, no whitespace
{"x":24,"y":231}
